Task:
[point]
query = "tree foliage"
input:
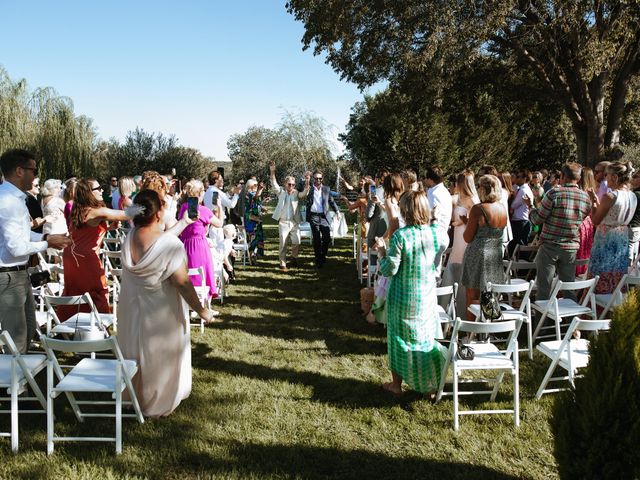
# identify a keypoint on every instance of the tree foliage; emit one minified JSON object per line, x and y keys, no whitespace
{"x":44,"y":122}
{"x":301,"y":142}
{"x":584,"y":54}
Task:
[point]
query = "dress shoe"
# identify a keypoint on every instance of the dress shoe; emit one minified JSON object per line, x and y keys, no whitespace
{"x":284,"y":268}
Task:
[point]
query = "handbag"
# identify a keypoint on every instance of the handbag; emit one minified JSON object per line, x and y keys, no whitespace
{"x":38,"y":279}
{"x":489,"y":307}
{"x":463,"y":352}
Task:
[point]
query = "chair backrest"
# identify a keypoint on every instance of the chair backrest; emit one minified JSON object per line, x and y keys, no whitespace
{"x":510,"y":326}
{"x":79,"y":346}
{"x":511,"y":288}
{"x":520,"y":249}
{"x":75,"y":300}
{"x":591,"y":325}
{"x":203,"y":289}
{"x":450,"y":291}
{"x":588,"y":285}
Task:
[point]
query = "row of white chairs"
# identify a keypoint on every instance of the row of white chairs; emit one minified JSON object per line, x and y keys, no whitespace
{"x":110,"y":376}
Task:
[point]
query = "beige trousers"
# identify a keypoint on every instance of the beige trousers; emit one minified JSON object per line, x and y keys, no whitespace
{"x":288,"y":230}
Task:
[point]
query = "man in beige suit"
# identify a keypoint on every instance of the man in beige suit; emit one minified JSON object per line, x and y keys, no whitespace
{"x":287,"y":213}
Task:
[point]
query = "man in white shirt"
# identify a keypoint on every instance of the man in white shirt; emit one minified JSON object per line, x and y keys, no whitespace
{"x":519,"y":214}
{"x":287,"y":214}
{"x":441,"y":205}
{"x":216,"y":184}
{"x":17,"y":243}
{"x":600,"y":176}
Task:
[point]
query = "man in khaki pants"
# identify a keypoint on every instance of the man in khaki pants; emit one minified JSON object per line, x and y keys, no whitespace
{"x":287,"y":213}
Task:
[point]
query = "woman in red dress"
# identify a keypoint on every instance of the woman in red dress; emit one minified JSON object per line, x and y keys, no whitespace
{"x":83,"y":270}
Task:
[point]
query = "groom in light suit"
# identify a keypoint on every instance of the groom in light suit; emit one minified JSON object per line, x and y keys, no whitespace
{"x":287,"y":214}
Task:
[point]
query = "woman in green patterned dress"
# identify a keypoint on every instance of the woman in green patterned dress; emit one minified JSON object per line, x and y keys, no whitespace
{"x":412,"y":326}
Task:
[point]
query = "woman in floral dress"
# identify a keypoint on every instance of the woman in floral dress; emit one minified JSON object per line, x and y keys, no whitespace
{"x":610,"y":253}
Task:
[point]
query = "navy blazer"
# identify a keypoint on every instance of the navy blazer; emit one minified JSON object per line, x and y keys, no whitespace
{"x":327,"y":201}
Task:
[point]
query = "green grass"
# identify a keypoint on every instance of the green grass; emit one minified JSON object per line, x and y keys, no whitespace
{"x":288,"y":386}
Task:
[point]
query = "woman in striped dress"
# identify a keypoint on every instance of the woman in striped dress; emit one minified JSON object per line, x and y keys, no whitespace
{"x":412,"y":326}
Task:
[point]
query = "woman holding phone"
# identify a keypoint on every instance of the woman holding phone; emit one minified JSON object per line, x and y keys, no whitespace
{"x":194,"y":236}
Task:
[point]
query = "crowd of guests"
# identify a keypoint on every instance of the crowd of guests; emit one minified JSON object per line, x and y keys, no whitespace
{"x":574,"y":213}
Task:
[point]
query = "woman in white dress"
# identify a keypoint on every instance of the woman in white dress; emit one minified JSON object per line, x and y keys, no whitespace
{"x":466,"y":197}
{"x":53,"y":208}
{"x":153,"y":326}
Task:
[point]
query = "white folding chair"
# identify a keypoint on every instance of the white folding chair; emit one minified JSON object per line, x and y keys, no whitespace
{"x":529,"y":252}
{"x":17,"y":374}
{"x":111,"y":260}
{"x":557,"y":308}
{"x":111,"y":376}
{"x":203,"y":294}
{"x":447,"y":314}
{"x":242,"y":245}
{"x":609,"y":300}
{"x":487,"y":357}
{"x":91,"y":323}
{"x":569,"y":353}
{"x":305,"y":232}
{"x":355,"y":240}
{"x":519,"y":271}
{"x":112,"y":244}
{"x":523,"y":312}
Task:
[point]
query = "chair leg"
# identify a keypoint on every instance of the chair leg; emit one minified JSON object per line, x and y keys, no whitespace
{"x":499,"y":378}
{"x":118,"y":411}
{"x":14,"y":408}
{"x":546,"y":378}
{"x":530,"y":339}
{"x":516,"y":396}
{"x":456,"y":423}
{"x":49,"y":409}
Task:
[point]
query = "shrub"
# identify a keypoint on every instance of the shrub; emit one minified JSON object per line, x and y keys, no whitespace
{"x":597,"y":424}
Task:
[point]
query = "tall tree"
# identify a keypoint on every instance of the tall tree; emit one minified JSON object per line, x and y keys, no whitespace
{"x":584,"y":53}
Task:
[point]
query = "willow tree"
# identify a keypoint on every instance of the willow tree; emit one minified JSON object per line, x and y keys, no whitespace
{"x":45,"y":123}
{"x":583,"y":52}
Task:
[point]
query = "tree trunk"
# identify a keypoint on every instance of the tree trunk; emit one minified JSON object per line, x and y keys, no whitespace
{"x":589,"y":142}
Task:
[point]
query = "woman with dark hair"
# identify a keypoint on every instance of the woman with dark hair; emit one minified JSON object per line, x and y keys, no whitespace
{"x":154,"y":327}
{"x":83,"y":271}
{"x":67,"y":195}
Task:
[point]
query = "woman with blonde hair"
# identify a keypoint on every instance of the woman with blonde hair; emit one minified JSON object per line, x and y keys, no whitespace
{"x":152,"y":180}
{"x":126,"y":187}
{"x":610,"y":253}
{"x":482,"y":261}
{"x":194,"y":236}
{"x":413,"y":323}
{"x":393,"y":187}
{"x":465,"y":198}
{"x":53,"y":208}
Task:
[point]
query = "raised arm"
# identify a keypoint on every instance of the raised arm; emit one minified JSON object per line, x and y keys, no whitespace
{"x":307,"y":185}
{"x":104,"y":214}
{"x":272,"y":177}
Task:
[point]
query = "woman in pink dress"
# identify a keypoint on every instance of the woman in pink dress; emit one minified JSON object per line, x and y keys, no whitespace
{"x":194,"y":236}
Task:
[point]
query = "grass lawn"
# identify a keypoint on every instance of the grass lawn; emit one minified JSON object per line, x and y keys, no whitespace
{"x":288,"y":386}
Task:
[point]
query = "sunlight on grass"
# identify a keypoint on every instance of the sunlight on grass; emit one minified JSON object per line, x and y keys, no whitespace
{"x":288,"y":386}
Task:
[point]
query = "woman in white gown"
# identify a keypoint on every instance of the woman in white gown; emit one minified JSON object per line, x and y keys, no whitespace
{"x":153,"y":326}
{"x":465,"y":198}
{"x":53,"y":208}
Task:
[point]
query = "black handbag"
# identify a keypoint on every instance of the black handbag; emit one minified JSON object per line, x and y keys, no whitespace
{"x":489,"y":307}
{"x":463,"y":352}
{"x":38,"y":279}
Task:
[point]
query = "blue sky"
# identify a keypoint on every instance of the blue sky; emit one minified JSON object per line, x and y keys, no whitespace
{"x":202,"y":70}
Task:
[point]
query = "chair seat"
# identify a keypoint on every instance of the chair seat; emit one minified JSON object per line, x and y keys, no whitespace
{"x":579,"y":352}
{"x":95,"y":375}
{"x":443,"y":315}
{"x":603,"y":299}
{"x":486,"y":355}
{"x":34,"y":364}
{"x":81,"y":321}
{"x":508,"y":312}
{"x":41,"y":318}
{"x":566,"y":307}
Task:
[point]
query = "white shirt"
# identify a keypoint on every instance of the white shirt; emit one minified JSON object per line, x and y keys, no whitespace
{"x":603,"y":189}
{"x":316,"y":206}
{"x":520,"y":209}
{"x":17,"y":241}
{"x":439,"y":196}
{"x":225,"y":201}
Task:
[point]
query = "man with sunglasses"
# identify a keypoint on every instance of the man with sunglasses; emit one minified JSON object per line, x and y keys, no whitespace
{"x":287,"y":214}
{"x":319,"y":200}
{"x":17,"y":243}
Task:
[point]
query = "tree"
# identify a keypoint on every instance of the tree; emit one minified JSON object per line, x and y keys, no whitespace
{"x":584,"y":54}
{"x":300,"y":142}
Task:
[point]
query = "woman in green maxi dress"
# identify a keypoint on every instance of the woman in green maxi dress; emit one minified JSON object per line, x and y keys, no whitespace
{"x":412,"y":326}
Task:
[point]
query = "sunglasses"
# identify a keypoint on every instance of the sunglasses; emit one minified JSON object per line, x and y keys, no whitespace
{"x":291,"y":184}
{"x":33,"y":169}
{"x":95,"y":189}
{"x":317,"y":178}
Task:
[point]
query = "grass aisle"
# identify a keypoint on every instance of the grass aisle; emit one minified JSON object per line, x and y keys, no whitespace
{"x":288,"y":386}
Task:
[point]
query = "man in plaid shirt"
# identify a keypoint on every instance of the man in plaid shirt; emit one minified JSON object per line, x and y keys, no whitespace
{"x":561,"y":212}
